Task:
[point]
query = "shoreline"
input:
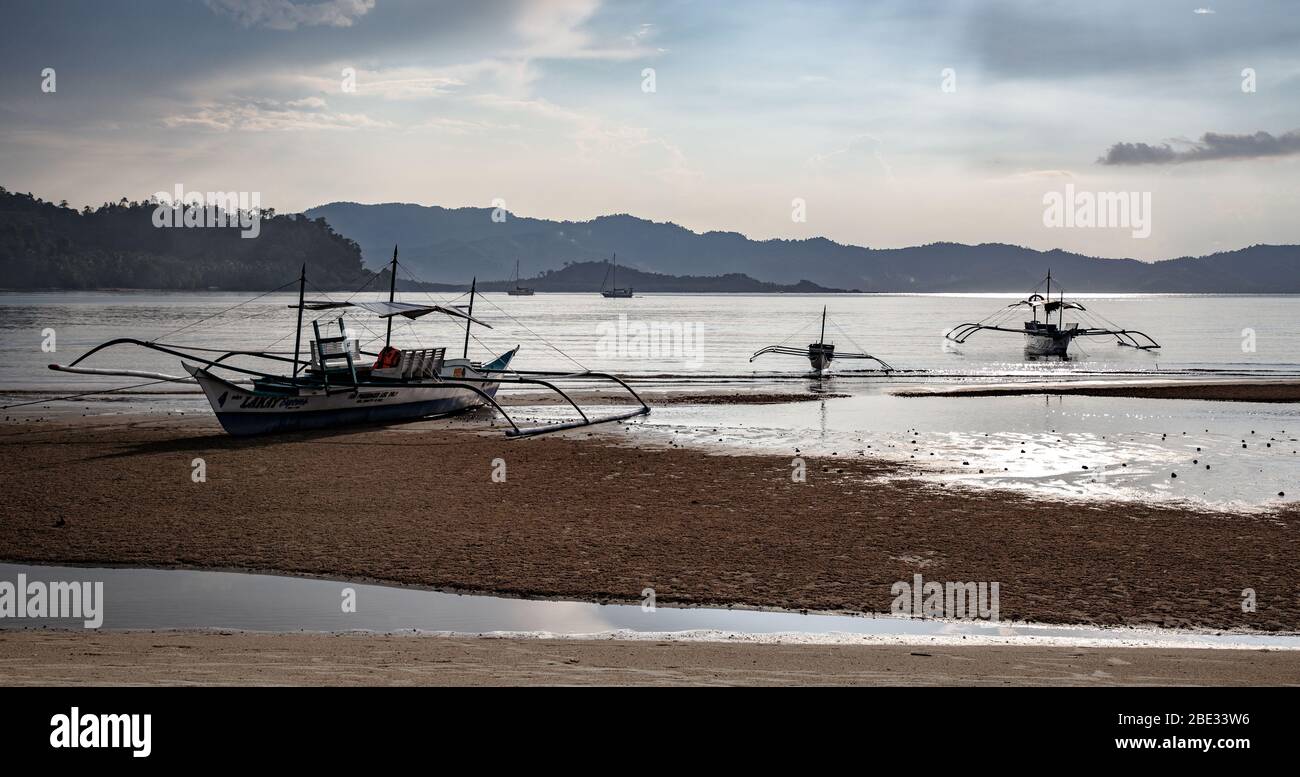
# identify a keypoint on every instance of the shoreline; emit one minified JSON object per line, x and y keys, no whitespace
{"x":243,"y":658}
{"x":595,"y":520}
{"x":1269,"y":390}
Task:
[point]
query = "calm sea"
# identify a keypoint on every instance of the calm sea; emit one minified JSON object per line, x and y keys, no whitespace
{"x":694,"y":336}
{"x":1234,"y":455}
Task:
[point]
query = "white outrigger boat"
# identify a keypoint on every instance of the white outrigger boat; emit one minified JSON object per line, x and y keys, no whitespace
{"x":333,"y":387}
{"x":819,"y":354}
{"x":1045,"y":338}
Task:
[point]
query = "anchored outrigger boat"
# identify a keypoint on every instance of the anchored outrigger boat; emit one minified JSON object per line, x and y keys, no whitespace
{"x":333,"y":388}
{"x":819,"y":354}
{"x":1045,"y":338}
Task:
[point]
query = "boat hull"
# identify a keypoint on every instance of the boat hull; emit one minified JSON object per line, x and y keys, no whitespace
{"x":242,"y":423}
{"x":820,"y":356}
{"x":244,"y":412}
{"x":1046,"y":345}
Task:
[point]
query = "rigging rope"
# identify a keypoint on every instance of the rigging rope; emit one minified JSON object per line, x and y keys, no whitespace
{"x":227,"y":310}
{"x":94,"y":393}
{"x":853,"y":342}
{"x":498,"y":308}
{"x":795,"y":332}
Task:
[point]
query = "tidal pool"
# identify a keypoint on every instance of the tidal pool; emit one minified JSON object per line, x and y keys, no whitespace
{"x":172,"y":599}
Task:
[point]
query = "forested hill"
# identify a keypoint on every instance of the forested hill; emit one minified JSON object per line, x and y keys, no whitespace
{"x":589,"y":277}
{"x":47,"y":245}
{"x":452,"y":245}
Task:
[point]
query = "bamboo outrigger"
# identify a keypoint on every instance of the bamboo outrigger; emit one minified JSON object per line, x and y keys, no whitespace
{"x":332,"y":387}
{"x":1045,"y":338}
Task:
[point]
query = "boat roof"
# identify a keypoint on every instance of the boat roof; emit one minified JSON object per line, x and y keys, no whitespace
{"x":389,"y":309}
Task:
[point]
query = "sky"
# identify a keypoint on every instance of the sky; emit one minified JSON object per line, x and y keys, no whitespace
{"x":881,"y":124}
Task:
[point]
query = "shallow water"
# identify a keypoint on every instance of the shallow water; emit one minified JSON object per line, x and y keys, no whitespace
{"x":185,"y":599}
{"x":1225,"y":455}
{"x":1074,"y":446}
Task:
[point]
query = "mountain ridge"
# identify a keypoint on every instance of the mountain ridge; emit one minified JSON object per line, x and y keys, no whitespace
{"x":470,"y":243}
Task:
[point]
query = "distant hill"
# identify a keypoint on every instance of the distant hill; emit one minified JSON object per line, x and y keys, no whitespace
{"x":451,"y":245}
{"x":47,"y":245}
{"x":591,"y":276}
{"x":44,"y":245}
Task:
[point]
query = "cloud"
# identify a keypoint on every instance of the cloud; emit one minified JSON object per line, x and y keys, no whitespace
{"x":1211,"y":146}
{"x":1203,"y":11}
{"x":454,"y":126}
{"x":1036,"y":175}
{"x":860,"y":148}
{"x":314,"y":103}
{"x":260,"y":115}
{"x":289,"y":15}
{"x":597,"y":140}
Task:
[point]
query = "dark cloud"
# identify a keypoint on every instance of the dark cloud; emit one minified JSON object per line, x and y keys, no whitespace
{"x":1211,"y":146}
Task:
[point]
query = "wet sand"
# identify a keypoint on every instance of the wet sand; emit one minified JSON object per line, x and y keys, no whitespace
{"x":238,"y":658}
{"x":581,"y":517}
{"x":1220,"y":391}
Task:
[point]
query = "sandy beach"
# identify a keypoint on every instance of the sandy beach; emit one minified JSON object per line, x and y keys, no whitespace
{"x":239,"y":658}
{"x":584,"y":518}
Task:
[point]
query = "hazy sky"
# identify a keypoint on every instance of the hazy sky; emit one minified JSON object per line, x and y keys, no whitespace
{"x":543,"y":105}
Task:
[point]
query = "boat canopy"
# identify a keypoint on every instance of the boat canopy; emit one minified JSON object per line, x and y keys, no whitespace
{"x":389,"y":309}
{"x":1049,"y":306}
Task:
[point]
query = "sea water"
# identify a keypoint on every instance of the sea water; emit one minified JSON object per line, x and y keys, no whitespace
{"x":1067,"y":447}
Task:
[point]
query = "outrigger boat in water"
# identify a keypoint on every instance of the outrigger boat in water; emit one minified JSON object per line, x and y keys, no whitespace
{"x":819,"y":354}
{"x":1045,"y":338}
{"x":332,"y":387}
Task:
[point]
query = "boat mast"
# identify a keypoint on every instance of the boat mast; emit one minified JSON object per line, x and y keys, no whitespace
{"x":297,"y":335}
{"x":823,"y":339}
{"x":392,"y":291}
{"x":1047,"y":314}
{"x":615,"y":286}
{"x":469,"y":321}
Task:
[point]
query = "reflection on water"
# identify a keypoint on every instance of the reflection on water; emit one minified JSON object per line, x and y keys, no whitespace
{"x":1229,"y":455}
{"x":185,"y":599}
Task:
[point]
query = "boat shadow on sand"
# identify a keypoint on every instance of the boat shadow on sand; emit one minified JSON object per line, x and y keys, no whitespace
{"x":216,"y":440}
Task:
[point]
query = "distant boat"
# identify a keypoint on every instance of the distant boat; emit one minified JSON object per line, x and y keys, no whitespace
{"x":1045,"y":338}
{"x":519,"y":291}
{"x":614,"y":292}
{"x":819,"y":354}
